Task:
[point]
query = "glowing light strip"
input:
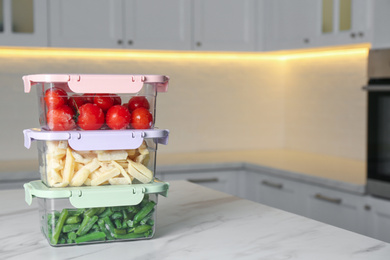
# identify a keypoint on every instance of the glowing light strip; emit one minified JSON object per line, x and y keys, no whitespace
{"x":141,"y":54}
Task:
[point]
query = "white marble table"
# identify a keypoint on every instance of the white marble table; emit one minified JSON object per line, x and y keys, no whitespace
{"x":195,"y":223}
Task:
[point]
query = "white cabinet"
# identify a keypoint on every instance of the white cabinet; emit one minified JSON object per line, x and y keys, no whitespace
{"x":378,"y":218}
{"x":290,"y":24}
{"x":23,"y":23}
{"x":224,"y":25}
{"x":275,"y":192}
{"x":155,"y":24}
{"x":336,"y":208}
{"x":221,"y":180}
{"x":135,"y":24}
{"x":85,"y":23}
{"x":316,"y":23}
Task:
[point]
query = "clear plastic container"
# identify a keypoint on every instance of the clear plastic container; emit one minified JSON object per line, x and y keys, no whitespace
{"x":95,"y":158}
{"x":74,"y":102}
{"x":114,"y":215}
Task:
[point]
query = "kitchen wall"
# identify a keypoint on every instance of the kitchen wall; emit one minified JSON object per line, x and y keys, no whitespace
{"x":213,"y":103}
{"x":216,"y":102}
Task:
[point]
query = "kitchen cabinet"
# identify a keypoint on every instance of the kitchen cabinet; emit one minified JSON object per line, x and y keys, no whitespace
{"x":378,"y":218}
{"x":135,"y":24}
{"x":224,"y":25}
{"x":336,"y":208}
{"x":23,"y":23}
{"x":275,"y":192}
{"x":316,"y":23}
{"x":221,"y":180}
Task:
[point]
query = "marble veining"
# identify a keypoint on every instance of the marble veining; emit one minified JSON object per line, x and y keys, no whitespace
{"x":195,"y":222}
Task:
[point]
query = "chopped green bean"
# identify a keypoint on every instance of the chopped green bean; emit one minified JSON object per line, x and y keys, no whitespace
{"x":91,"y":237}
{"x":73,"y":220}
{"x":144,"y":211}
{"x":70,"y":227}
{"x":142,"y":229}
{"x":106,"y":213}
{"x":58,"y":228}
{"x":88,"y":226}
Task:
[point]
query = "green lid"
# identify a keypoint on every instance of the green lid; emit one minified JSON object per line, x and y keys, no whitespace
{"x":102,"y":196}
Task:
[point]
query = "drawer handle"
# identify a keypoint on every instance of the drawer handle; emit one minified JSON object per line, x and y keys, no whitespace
{"x":328,"y":199}
{"x":272,"y":184}
{"x":203,"y":180}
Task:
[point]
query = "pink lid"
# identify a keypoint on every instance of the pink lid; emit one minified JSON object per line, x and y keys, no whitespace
{"x":93,"y":83}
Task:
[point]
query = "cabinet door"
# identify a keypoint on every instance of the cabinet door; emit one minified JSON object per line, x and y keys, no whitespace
{"x":23,"y":23}
{"x":86,"y":23}
{"x":344,"y":22}
{"x":224,"y":25}
{"x":225,"y":181}
{"x":290,"y":24}
{"x":336,"y":208}
{"x":154,"y":24}
{"x":276,"y":192}
{"x":378,"y":221}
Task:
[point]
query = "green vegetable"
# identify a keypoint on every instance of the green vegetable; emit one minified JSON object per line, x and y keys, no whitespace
{"x":144,"y":211}
{"x":70,"y":227}
{"x":106,"y":213}
{"x":58,"y":228}
{"x":128,"y":236}
{"x":73,"y":220}
{"x":91,"y":237}
{"x":104,"y":229}
{"x":105,"y":223}
{"x":142,"y":229}
{"x":84,"y":230}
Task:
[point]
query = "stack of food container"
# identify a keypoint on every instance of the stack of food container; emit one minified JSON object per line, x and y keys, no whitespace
{"x":97,"y":148}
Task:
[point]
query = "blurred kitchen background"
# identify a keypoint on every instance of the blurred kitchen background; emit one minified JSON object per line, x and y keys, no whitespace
{"x":246,"y":78}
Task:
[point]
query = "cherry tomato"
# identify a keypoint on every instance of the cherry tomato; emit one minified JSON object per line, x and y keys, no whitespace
{"x":117,"y":99}
{"x":91,"y":117}
{"x":88,"y":97}
{"x":55,"y":97}
{"x":60,"y":119}
{"x":138,"y":101}
{"x":141,"y":118}
{"x":118,"y":117}
{"x":104,"y":101}
{"x":75,"y":102}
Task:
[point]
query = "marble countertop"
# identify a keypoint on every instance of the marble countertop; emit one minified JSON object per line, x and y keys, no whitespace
{"x":195,"y":222}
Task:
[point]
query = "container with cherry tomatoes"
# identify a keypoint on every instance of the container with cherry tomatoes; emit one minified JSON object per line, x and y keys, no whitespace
{"x":96,"y":102}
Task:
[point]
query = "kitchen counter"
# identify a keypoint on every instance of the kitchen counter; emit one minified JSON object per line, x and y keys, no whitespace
{"x":324,"y":170}
{"x":195,"y":223}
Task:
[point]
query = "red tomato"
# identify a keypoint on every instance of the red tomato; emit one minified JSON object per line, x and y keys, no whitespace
{"x":141,"y":118}
{"x":118,"y":117}
{"x":88,"y":97}
{"x":60,"y":119}
{"x":75,"y":102}
{"x":55,"y":97}
{"x":104,"y":101}
{"x":91,"y":117}
{"x":138,"y":101}
{"x":117,"y":99}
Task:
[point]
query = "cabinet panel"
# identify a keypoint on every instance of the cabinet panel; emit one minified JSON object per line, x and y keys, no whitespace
{"x":378,"y":225}
{"x":276,"y":192}
{"x":335,"y":208}
{"x":290,"y":24}
{"x":154,"y":24}
{"x":225,"y":181}
{"x":224,"y":25}
{"x":86,"y":23}
{"x":15,"y":23}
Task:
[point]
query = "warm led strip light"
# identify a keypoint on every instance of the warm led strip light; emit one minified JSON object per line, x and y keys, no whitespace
{"x":144,"y":54}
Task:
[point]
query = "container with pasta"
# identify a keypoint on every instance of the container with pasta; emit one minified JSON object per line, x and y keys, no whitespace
{"x":96,"y":158}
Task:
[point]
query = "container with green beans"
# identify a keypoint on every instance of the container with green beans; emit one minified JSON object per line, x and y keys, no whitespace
{"x":63,"y":224}
{"x":84,"y":215}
